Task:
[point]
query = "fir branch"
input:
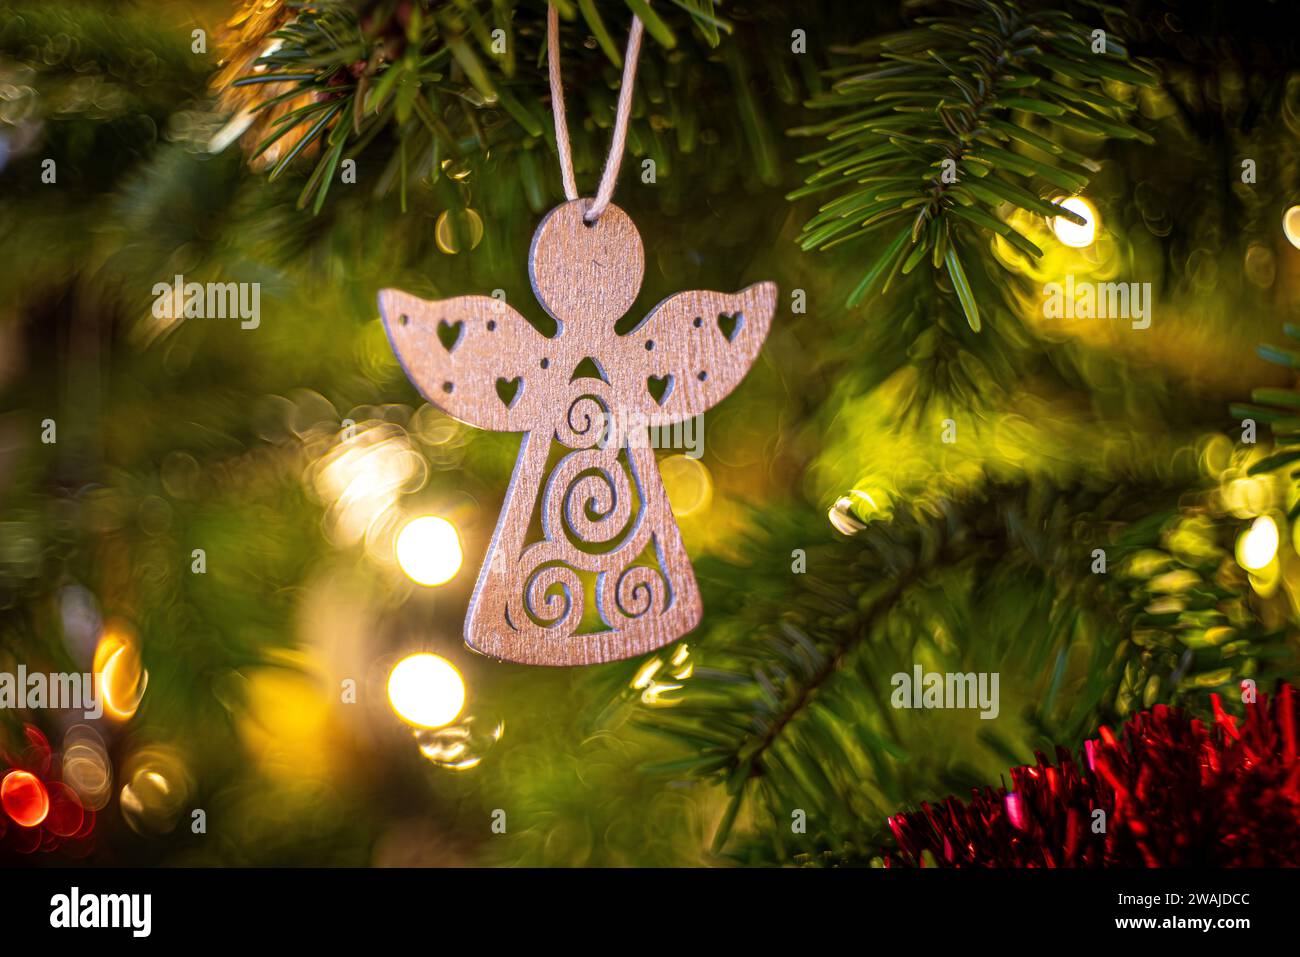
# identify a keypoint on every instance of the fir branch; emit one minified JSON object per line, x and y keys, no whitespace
{"x":449,"y":79}
{"x":789,"y":712}
{"x":1280,"y":409}
{"x":931,"y":139}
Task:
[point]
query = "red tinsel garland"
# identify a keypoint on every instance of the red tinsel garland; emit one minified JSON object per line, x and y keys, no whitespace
{"x":1173,"y":793}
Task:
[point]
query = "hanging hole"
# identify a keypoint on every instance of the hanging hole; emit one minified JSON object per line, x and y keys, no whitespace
{"x":546,"y":363}
{"x":649,"y":344}
{"x":404,"y":319}
{"x":699,"y":321}
{"x":447,"y":387}
{"x":492,"y":324}
{"x":703,"y":375}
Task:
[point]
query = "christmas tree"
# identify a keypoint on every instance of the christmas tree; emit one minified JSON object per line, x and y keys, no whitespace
{"x":1012,"y":476}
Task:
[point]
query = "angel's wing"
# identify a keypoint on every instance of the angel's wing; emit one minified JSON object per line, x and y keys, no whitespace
{"x":473,"y":357}
{"x":693,"y":349}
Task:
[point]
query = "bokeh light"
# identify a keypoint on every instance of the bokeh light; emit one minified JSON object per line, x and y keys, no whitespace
{"x":675,"y":664}
{"x":285,"y":718}
{"x":469,"y":224}
{"x":851,"y":512}
{"x":1257,"y":547}
{"x":428,"y":550}
{"x":362,"y":477}
{"x":66,"y":815}
{"x":24,"y":798}
{"x":122,"y":677}
{"x":426,"y":690}
{"x":1291,"y":225}
{"x":86,"y":766}
{"x":687,"y":483}
{"x":157,"y":790}
{"x":1073,"y":234}
{"x":461,"y":746}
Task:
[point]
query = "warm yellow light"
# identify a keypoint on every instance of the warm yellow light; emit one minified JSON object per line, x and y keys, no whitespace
{"x":1257,"y":547}
{"x":656,"y":695}
{"x":120,"y":670}
{"x":1072,"y":234}
{"x":156,"y":790}
{"x":842,"y":517}
{"x":86,"y":766}
{"x":286,"y":720}
{"x":470,"y":223}
{"x":1291,"y":225}
{"x":428,"y":549}
{"x":645,"y":673}
{"x":426,"y":690}
{"x":688,"y":484}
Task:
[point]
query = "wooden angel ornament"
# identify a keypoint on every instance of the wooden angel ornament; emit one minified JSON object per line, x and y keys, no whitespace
{"x":602,"y":507}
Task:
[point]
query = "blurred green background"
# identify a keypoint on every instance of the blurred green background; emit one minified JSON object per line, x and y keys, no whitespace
{"x":292,"y":453}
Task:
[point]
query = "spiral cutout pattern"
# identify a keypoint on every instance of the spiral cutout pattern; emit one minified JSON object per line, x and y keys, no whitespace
{"x":553,"y":598}
{"x":583,"y":425}
{"x":595,"y":523}
{"x":642,"y":591}
{"x":589,"y":496}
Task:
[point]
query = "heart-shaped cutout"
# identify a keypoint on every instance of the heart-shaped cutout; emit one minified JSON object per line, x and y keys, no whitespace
{"x":449,"y":333}
{"x":508,"y":390}
{"x":730,"y":325}
{"x":660,"y":387}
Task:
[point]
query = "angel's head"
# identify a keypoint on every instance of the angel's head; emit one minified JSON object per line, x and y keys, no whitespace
{"x":586,"y":274}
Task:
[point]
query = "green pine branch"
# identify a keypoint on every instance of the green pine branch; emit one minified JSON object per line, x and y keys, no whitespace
{"x":950,"y":122}
{"x":455,"y":80}
{"x":1279,"y":407}
{"x":789,"y":708}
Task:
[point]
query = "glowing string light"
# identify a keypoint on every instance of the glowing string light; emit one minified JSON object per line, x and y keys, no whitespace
{"x":1257,"y":547}
{"x":428,"y":550}
{"x":1074,"y":234}
{"x":120,"y":667}
{"x":24,"y":798}
{"x":426,"y":690}
{"x":1291,"y":225}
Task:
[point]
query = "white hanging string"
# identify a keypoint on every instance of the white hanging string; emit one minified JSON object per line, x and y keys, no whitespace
{"x":605,"y":192}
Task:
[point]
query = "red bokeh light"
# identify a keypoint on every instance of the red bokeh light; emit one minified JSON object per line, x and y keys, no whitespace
{"x":24,"y":798}
{"x":66,"y":815}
